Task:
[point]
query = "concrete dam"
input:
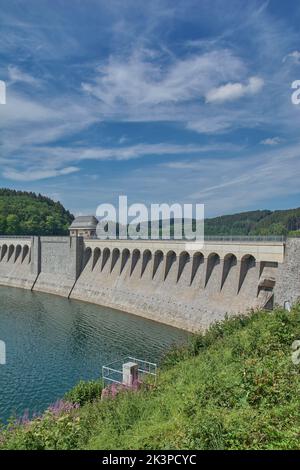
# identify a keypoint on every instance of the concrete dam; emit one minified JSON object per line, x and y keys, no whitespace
{"x":179,"y":283}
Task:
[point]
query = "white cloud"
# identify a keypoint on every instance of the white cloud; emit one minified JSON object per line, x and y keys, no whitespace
{"x":17,"y":75}
{"x":271,"y":141}
{"x":139,"y":81}
{"x":49,"y":159}
{"x":295,"y":56}
{"x":123,"y":139}
{"x":139,"y":150}
{"x":34,"y":175}
{"x":234,"y":91}
{"x":20,"y":109}
{"x":225,"y":185}
{"x":211,"y":125}
{"x":224,"y":121}
{"x":26,"y":122}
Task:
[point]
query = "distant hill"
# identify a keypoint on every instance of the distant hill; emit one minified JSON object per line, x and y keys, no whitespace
{"x":262,"y":222}
{"x":26,"y":213}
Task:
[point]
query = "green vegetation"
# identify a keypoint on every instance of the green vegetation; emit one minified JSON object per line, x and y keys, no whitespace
{"x":234,"y":387}
{"x":284,"y":222}
{"x":26,"y":213}
{"x":84,"y":392}
{"x":23,"y":213}
{"x":253,"y":223}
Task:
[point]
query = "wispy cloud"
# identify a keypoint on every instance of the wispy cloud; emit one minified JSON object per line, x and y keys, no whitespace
{"x":235,"y":183}
{"x":295,"y":56}
{"x":50,"y":161}
{"x":228,"y":182}
{"x":17,"y":75}
{"x":234,"y":91}
{"x":271,"y":141}
{"x":145,"y":80}
{"x":34,"y":174}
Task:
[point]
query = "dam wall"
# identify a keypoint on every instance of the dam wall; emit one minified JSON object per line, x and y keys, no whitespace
{"x":179,"y":283}
{"x":16,"y":267}
{"x":59,"y":263}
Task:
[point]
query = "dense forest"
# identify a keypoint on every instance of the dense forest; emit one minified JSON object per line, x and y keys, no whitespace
{"x":26,"y":213}
{"x":264,"y":222}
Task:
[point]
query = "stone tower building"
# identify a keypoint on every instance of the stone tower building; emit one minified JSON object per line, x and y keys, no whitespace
{"x":83,"y":226}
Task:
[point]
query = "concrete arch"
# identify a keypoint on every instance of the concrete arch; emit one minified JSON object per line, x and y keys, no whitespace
{"x":11,"y":250}
{"x":230,"y":260}
{"x":230,"y":256}
{"x":18,"y":251}
{"x":114,"y":258}
{"x":96,"y":256}
{"x":248,"y":262}
{"x":124,"y":258}
{"x":249,"y":259}
{"x":25,"y":252}
{"x":87,"y":256}
{"x":184,"y":259}
{"x":212,"y":261}
{"x":3,"y":251}
{"x":105,"y":256}
{"x":147,"y":256}
{"x":158,"y":259}
{"x":136,"y":254}
{"x":198,"y":259}
{"x":170,"y":260}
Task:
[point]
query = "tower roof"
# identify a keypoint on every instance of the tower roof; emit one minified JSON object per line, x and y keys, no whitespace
{"x":84,"y":221}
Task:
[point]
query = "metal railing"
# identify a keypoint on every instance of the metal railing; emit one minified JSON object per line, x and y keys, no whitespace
{"x":15,"y":237}
{"x":254,"y":238}
{"x":113,"y":372}
{"x":221,"y":238}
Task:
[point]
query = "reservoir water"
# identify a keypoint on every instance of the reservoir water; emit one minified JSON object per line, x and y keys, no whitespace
{"x":53,"y":342}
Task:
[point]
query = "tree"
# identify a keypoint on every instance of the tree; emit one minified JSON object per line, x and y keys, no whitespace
{"x":2,"y":224}
{"x":12,"y":224}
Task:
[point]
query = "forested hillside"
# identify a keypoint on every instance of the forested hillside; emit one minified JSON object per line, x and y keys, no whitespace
{"x":283,"y":222}
{"x":24,"y":213}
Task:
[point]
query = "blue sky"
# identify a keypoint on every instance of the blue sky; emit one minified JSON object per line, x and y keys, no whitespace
{"x":164,"y":101}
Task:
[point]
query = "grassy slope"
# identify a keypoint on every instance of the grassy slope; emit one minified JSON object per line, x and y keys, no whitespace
{"x":240,"y":391}
{"x":234,"y":388}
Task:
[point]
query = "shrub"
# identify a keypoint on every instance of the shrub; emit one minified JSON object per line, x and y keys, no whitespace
{"x":59,"y":427}
{"x":85,"y":392}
